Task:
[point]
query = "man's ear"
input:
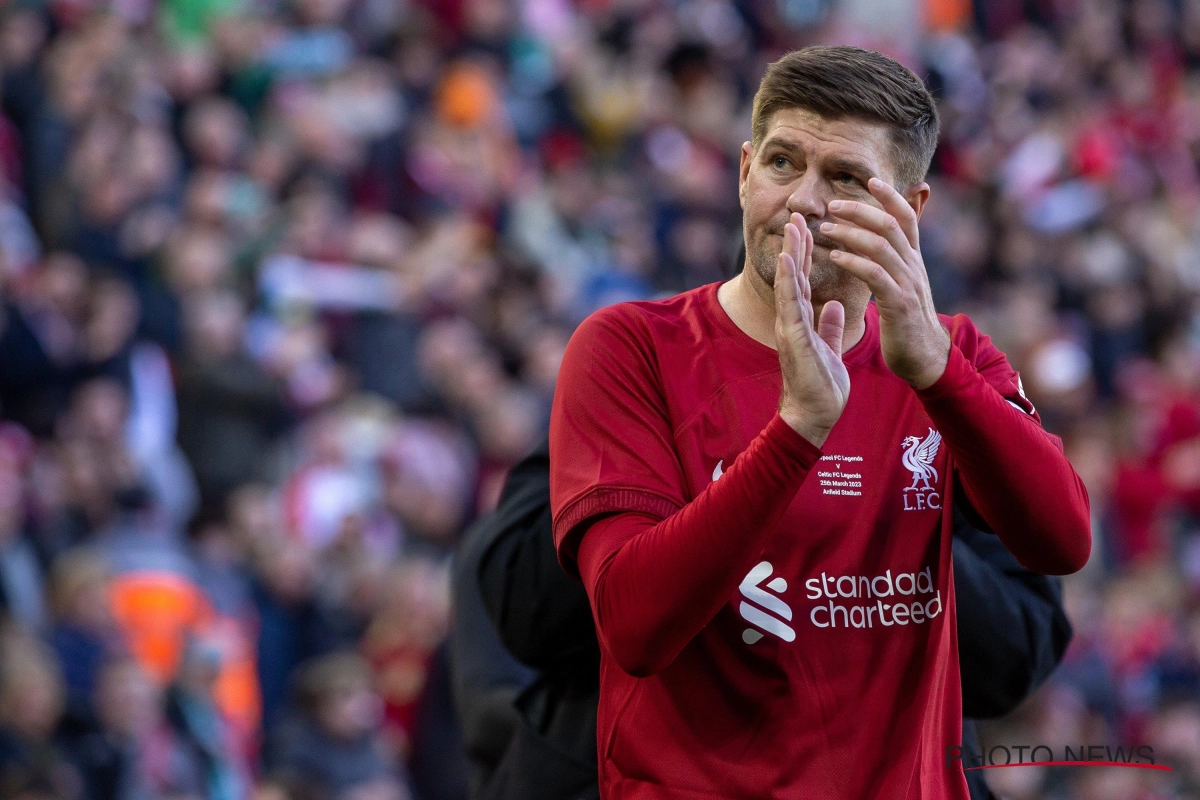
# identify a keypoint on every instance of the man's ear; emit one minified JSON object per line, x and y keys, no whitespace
{"x":917,"y":195}
{"x":744,"y":172}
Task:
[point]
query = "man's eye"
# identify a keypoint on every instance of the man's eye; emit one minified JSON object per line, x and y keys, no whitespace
{"x":846,"y":178}
{"x":780,"y":163}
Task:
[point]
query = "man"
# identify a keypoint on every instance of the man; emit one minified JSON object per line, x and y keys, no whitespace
{"x":754,"y":480}
{"x":1012,"y":632}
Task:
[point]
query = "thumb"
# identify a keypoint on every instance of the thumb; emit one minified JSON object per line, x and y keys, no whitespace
{"x":831,"y":325}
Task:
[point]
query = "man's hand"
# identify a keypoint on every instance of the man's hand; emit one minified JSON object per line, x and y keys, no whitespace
{"x":883,"y":251}
{"x":815,"y":382}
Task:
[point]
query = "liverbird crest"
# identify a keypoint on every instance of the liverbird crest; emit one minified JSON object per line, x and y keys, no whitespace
{"x":918,"y":459}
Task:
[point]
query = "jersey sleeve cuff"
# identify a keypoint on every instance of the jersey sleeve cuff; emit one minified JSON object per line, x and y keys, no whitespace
{"x":959,"y":375}
{"x":604,"y":500}
{"x":787,"y":442}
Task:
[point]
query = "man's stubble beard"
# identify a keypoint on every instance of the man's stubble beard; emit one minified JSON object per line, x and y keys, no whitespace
{"x":827,"y":280}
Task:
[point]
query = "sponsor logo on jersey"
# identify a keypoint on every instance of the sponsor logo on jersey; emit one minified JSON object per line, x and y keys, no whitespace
{"x":752,"y":589}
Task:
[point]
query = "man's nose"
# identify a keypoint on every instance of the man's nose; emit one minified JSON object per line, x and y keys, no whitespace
{"x":810,"y":196}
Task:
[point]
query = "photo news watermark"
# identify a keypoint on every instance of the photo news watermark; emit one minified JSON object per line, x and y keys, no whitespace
{"x":1041,"y":755}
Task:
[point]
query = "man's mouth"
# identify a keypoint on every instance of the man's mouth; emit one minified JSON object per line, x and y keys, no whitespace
{"x":818,"y":240}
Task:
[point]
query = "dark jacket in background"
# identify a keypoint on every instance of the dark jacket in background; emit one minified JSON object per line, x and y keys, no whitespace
{"x":1012,"y":632}
{"x":229,"y":413}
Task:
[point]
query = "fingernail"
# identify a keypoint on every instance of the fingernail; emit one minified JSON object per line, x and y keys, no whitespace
{"x":836,"y":205}
{"x":875,"y":183}
{"x":826,"y":227}
{"x":835,"y":254}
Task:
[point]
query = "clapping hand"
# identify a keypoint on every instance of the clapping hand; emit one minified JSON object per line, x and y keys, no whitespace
{"x":815,"y":382}
{"x":882,"y":249}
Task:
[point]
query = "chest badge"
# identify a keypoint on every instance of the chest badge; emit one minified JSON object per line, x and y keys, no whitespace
{"x":918,"y":458}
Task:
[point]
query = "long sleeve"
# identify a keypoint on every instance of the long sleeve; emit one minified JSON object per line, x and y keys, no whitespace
{"x":1013,"y":473}
{"x":654,"y":584}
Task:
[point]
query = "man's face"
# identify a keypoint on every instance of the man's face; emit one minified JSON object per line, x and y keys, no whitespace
{"x":803,"y":162}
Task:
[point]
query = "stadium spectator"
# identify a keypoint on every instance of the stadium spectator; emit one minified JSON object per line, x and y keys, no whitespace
{"x":32,"y":699}
{"x":334,"y":743}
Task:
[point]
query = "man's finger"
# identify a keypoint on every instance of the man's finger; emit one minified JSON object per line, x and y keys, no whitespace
{"x":797,"y":221}
{"x":877,"y":279}
{"x":894,"y":203}
{"x":795,"y":248}
{"x":787,"y":291}
{"x":832,"y":325}
{"x":876,"y":220}
{"x":806,"y":264}
{"x":869,"y":244}
{"x":793,"y":243}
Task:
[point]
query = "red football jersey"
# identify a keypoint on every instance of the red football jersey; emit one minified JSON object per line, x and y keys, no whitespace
{"x":832,"y":669}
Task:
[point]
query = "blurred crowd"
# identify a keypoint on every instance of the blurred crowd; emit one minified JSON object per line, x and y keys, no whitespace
{"x":285,"y":285}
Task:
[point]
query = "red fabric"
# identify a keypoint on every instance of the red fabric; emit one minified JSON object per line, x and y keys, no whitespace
{"x":643,"y":556}
{"x":1140,"y":498}
{"x":10,"y":156}
{"x":1177,"y":450}
{"x":769,"y":665}
{"x":1097,"y":153}
{"x":1013,"y":472}
{"x":402,"y":671}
